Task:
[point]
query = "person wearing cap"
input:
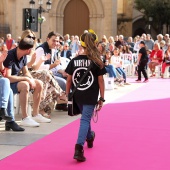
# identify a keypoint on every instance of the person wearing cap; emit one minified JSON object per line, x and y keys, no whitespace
{"x":142,"y":62}
{"x":86,"y":95}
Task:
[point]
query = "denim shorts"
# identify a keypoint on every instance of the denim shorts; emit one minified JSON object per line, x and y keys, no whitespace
{"x":14,"y":87}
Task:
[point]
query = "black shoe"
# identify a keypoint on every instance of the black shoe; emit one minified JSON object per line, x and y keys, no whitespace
{"x":90,"y":141}
{"x":14,"y":126}
{"x":4,"y":115}
{"x":63,"y":107}
{"x":79,"y":153}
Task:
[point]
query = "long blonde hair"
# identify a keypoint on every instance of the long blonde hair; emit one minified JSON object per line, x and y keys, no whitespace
{"x":26,"y":33}
{"x":91,"y":48}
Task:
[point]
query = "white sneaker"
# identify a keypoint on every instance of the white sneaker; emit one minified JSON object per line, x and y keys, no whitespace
{"x":40,"y":119}
{"x":29,"y":122}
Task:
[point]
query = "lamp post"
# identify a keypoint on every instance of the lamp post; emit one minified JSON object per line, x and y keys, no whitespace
{"x":41,"y":10}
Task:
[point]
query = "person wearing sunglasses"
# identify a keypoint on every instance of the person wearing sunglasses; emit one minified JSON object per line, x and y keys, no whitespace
{"x":51,"y":89}
{"x":52,"y":43}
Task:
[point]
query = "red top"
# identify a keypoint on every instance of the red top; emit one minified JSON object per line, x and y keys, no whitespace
{"x":9,"y":43}
{"x":158,"y":54}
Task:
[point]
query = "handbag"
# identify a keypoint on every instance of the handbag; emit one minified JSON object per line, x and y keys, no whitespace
{"x":109,"y":83}
{"x":73,"y":108}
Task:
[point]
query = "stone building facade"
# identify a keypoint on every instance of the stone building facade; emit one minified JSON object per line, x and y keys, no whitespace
{"x":106,"y":17}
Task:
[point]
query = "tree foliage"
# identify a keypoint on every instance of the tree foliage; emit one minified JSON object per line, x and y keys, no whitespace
{"x":159,"y":10}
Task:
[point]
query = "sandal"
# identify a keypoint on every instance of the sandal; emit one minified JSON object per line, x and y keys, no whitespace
{"x":46,"y":115}
{"x":63,"y":97}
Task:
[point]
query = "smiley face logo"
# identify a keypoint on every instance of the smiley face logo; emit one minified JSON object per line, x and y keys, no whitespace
{"x":87,"y":81}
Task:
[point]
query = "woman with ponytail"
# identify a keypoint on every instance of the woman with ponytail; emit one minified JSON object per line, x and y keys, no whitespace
{"x":86,"y":95}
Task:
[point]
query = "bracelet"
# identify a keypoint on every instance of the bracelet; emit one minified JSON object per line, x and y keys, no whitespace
{"x":101,"y":99}
{"x":3,"y":72}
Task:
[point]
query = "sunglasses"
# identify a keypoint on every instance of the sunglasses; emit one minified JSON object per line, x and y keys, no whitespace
{"x":56,"y":41}
{"x":29,"y":36}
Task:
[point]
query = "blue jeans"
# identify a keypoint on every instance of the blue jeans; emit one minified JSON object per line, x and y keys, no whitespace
{"x":121,"y":72}
{"x":6,"y":97}
{"x":85,"y":123}
{"x":111,"y":70}
{"x":61,"y":82}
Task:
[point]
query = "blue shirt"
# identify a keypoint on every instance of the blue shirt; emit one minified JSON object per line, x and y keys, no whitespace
{"x":13,"y":63}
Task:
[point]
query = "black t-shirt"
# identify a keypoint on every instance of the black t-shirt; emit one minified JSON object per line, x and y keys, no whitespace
{"x":144,"y":53}
{"x":88,"y":91}
{"x":13,"y":63}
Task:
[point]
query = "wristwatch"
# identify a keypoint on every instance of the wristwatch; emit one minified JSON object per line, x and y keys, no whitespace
{"x":101,"y":98}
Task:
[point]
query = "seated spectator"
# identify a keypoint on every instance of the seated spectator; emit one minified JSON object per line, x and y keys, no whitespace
{"x":16,"y":63}
{"x":67,"y":39}
{"x":110,"y":68}
{"x":156,"y":58}
{"x":163,"y":46}
{"x":126,"y":56}
{"x":159,"y":38}
{"x":149,"y":42}
{"x":117,"y":63}
{"x":105,"y":41}
{"x":52,"y":93}
{"x":111,"y":48}
{"x":3,"y":96}
{"x":6,"y":100}
{"x":74,"y":46}
{"x":102,"y":49}
{"x":130,"y":43}
{"x":66,"y":52}
{"x":111,"y":40}
{"x":9,"y":42}
{"x":166,"y":61}
{"x":120,"y":42}
{"x":50,"y":62}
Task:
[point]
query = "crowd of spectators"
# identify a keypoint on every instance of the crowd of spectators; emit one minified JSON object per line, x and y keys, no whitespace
{"x":47,"y":61}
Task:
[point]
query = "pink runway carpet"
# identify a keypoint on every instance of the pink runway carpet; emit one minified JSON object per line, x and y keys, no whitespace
{"x":132,"y":134}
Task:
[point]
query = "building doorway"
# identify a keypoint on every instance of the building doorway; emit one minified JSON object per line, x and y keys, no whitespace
{"x":76,"y":17}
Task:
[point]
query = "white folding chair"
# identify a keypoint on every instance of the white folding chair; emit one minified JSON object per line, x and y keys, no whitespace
{"x":17,"y":105}
{"x":127,"y":63}
{"x":158,"y":70}
{"x":109,"y":82}
{"x":166,"y":73}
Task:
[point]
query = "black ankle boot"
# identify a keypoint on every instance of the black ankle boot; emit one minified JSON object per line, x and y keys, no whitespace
{"x":14,"y":126}
{"x":79,"y":153}
{"x":90,"y":141}
{"x":4,"y":115}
